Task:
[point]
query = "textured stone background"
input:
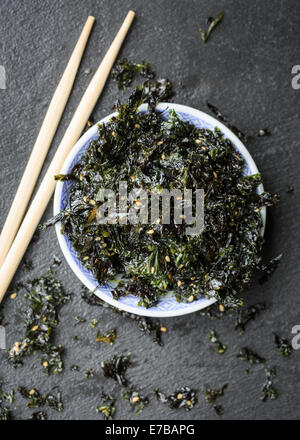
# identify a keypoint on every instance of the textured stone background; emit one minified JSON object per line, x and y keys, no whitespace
{"x":245,"y":69}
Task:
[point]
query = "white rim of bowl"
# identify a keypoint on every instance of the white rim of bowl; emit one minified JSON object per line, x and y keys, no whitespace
{"x":58,"y":192}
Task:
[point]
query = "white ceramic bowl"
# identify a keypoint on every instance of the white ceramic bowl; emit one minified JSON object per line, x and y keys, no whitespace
{"x":167,"y":306}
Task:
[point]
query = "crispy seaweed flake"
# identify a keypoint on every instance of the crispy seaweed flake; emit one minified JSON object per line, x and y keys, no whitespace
{"x":74,"y":367}
{"x":219,"y":409}
{"x":212,"y":394}
{"x":45,"y":295}
{"x":6,"y":398}
{"x":269,"y":269}
{"x":224,"y":119}
{"x":79,"y":320}
{"x":89,"y":374}
{"x":268,"y":390}
{"x":145,"y":325}
{"x":246,"y":315}
{"x":124,"y":72}
{"x":39,"y":415}
{"x":107,"y":409}
{"x":214,"y":337}
{"x":108,"y":337}
{"x":183,"y":397}
{"x":246,"y":354}
{"x":136,"y":400}
{"x":93,"y":323}
{"x":283,"y":345}
{"x":36,"y":399}
{"x":211,"y":23}
{"x":116,"y":367}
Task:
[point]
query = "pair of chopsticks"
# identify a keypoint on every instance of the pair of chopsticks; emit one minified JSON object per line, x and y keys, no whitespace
{"x":16,"y":236}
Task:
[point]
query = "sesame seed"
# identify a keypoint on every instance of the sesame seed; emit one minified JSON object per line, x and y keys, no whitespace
{"x":135,"y":399}
{"x":221,"y":308}
{"x":152,"y":269}
{"x":45,"y":364}
{"x":85,"y":199}
{"x":31,"y":392}
{"x":13,"y":295}
{"x":168,"y":259}
{"x":137,"y":126}
{"x":85,"y":258}
{"x":92,"y":202}
{"x":150,"y":231}
{"x":16,"y":347}
{"x":34,"y":328}
{"x":163,"y":329}
{"x":179,"y":396}
{"x":163,"y":157}
{"x":179,"y":283}
{"x":191,"y":298}
{"x":188,"y":402}
{"x":198,"y":141}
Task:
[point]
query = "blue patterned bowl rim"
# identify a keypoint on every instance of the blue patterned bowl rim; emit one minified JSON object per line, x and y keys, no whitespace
{"x":167,"y":306}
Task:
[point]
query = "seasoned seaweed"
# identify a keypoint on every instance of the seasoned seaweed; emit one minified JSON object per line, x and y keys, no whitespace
{"x":39,"y":415}
{"x":283,"y":345}
{"x":211,"y":23}
{"x":89,"y":374}
{"x":116,"y":368}
{"x":108,"y":337}
{"x":79,"y":320}
{"x":45,"y":296}
{"x":136,"y":400}
{"x":246,"y":354}
{"x":184,"y":397}
{"x":150,"y":153}
{"x":269,"y":269}
{"x":247,"y":315}
{"x":224,"y":119}
{"x":36,"y":399}
{"x":108,"y":408}
{"x":214,"y":337}
{"x":6,"y":398}
{"x":124,"y":72}
{"x":212,"y":394}
{"x":268,"y":390}
{"x":145,"y":325}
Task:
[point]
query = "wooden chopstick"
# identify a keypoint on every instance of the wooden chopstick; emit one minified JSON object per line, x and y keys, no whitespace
{"x":45,"y":191}
{"x":43,"y":142}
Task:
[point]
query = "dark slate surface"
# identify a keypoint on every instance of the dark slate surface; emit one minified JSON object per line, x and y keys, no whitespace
{"x":245,"y":69}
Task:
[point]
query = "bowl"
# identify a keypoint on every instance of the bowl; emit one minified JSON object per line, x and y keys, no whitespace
{"x":167,"y":306}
